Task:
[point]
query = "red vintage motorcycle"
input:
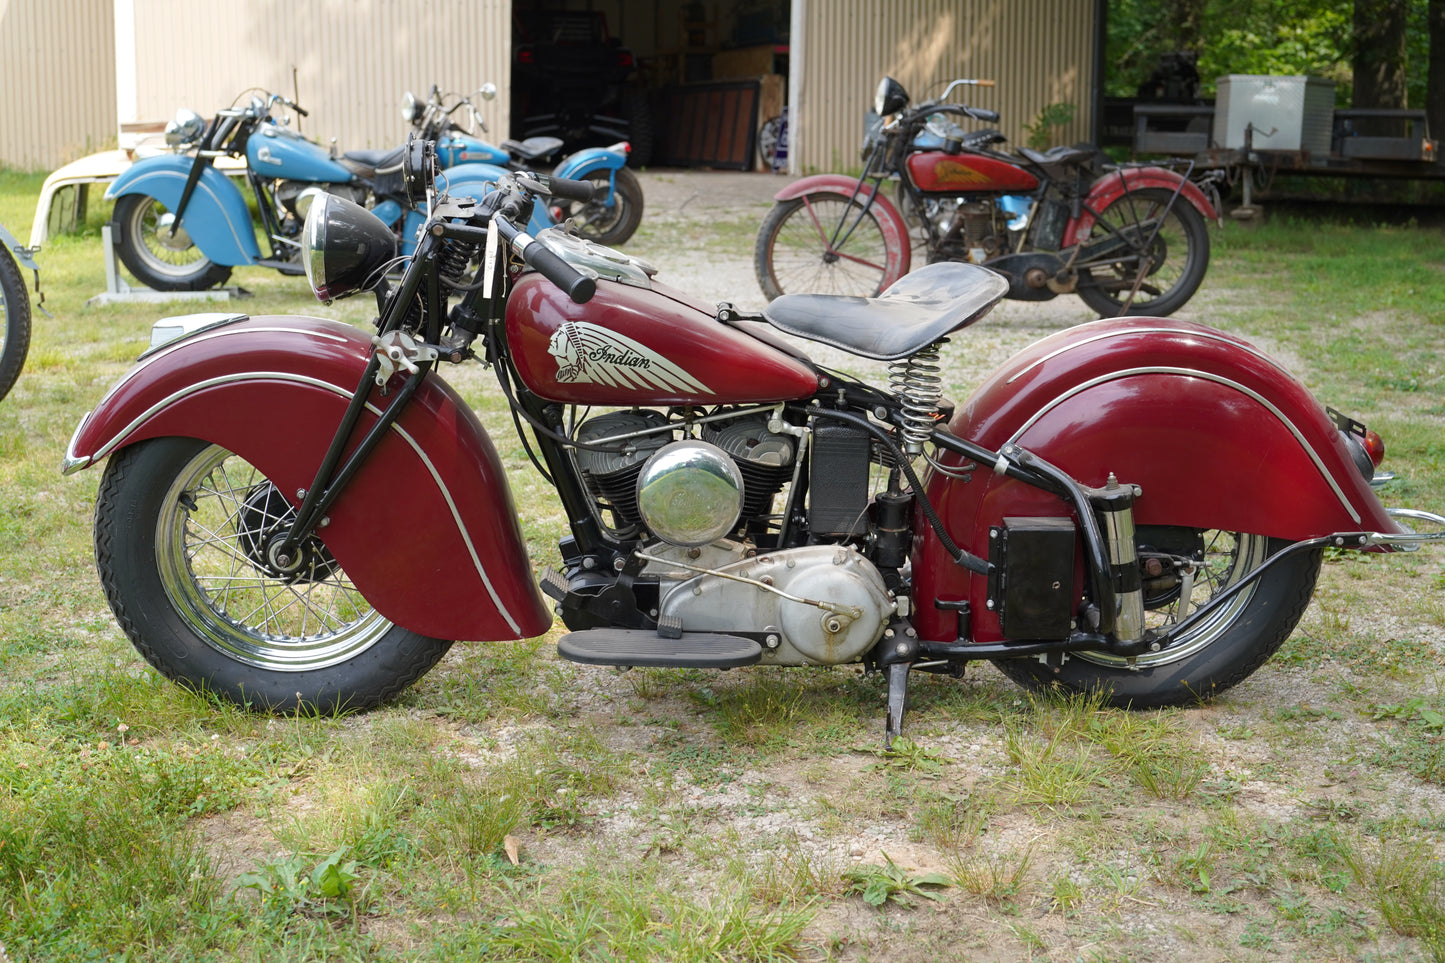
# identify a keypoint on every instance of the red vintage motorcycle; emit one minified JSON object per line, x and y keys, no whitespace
{"x":1127,"y":239}
{"x":296,"y":515}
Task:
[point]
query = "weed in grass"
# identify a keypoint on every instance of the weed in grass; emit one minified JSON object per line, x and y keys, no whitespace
{"x":295,"y":885}
{"x":631,"y":917}
{"x":1066,"y":895}
{"x":1406,"y":884}
{"x":998,"y":877}
{"x":951,"y":822}
{"x":891,"y":883}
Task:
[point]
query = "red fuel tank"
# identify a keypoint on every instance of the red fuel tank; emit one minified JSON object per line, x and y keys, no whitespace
{"x":638,"y":346}
{"x":937,"y":172}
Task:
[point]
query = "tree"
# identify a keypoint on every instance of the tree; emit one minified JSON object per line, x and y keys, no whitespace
{"x":1379,"y":55}
{"x":1435,"y":83}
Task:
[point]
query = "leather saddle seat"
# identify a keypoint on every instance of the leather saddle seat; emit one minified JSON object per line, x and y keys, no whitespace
{"x":911,"y":314}
{"x":533,"y":148}
{"x":366,"y":163}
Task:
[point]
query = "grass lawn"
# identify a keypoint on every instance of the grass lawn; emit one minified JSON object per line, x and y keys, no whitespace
{"x":514,"y":806}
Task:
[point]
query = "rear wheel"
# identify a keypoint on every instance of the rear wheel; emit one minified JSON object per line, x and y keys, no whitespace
{"x":15,"y":329}
{"x":1210,"y":657}
{"x":821,"y":244}
{"x":186,"y":536}
{"x":1160,"y":249}
{"x":608,"y":224}
{"x":160,"y":259}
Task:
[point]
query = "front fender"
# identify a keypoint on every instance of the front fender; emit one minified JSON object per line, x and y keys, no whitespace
{"x":475,"y":180}
{"x":216,"y":218}
{"x":894,"y":228}
{"x":426,"y":530}
{"x":1216,"y":434}
{"x":1115,"y":184}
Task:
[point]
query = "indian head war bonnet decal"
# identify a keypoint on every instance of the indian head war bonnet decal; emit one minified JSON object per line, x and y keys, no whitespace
{"x":589,"y":354}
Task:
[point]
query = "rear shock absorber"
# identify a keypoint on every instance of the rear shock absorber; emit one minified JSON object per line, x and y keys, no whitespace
{"x":917,"y":386}
{"x":1114,"y":504}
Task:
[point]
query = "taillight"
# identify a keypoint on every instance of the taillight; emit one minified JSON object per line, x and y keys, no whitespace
{"x":525,"y":55}
{"x":1375,"y":448}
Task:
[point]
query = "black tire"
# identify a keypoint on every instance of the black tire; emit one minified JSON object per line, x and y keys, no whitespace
{"x":1173,"y":269}
{"x":180,"y":532}
{"x":1213,"y":656}
{"x":793,"y":255}
{"x":141,"y":226}
{"x":608,"y":225}
{"x":15,"y":313}
{"x":641,"y":131}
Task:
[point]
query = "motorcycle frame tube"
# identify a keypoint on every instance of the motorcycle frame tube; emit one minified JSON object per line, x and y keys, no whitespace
{"x":216,"y":217}
{"x":1109,"y":188}
{"x":1215,"y":434}
{"x":890,"y":221}
{"x":434,"y":487}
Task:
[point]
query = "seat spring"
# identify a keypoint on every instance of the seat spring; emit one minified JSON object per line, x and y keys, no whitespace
{"x":917,"y":386}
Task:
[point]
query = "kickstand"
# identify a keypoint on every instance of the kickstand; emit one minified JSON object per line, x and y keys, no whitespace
{"x":897,"y":702}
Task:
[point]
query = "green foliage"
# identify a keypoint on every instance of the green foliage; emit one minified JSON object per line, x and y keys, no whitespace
{"x":891,"y":883}
{"x":289,"y":888}
{"x":1284,"y":37}
{"x":1041,"y":130}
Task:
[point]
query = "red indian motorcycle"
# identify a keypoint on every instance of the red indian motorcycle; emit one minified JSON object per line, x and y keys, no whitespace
{"x":295,"y":514}
{"x":1126,"y":239}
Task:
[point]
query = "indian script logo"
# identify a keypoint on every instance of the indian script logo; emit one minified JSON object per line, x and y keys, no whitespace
{"x":949,"y":173}
{"x":589,"y":354}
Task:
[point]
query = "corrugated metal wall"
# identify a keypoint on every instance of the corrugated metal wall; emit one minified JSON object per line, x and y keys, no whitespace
{"x":347,"y":62}
{"x":57,"y":72}
{"x":1039,"y":51}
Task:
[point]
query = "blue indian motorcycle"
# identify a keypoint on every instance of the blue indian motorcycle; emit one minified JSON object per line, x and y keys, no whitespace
{"x":180,"y":224}
{"x":609,"y":218}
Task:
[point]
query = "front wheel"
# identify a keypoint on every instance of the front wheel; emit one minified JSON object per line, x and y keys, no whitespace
{"x":1213,"y":655}
{"x":608,"y":224}
{"x":161,"y":259}
{"x":15,"y":315}
{"x":821,"y":244}
{"x":1152,"y":249}
{"x":185,"y":537}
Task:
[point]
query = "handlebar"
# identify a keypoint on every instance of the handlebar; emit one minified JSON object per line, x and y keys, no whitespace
{"x":542,"y":259}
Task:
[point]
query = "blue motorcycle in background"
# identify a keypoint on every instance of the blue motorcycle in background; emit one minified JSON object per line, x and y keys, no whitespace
{"x":610,"y":218}
{"x":180,"y":224}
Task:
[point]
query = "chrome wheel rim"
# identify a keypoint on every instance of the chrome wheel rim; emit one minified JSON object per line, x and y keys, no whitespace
{"x":217,"y":523}
{"x":1228,"y":557}
{"x":172,"y":256}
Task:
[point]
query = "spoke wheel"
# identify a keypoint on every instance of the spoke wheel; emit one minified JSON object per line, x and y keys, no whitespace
{"x":819,"y":244}
{"x":1210,"y":656}
{"x":1162,"y":254}
{"x":14,"y":322}
{"x":596,"y":220}
{"x":160,"y":259}
{"x":189,"y":546}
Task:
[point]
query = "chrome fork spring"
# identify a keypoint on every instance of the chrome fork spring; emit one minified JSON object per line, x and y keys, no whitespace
{"x":917,"y":386}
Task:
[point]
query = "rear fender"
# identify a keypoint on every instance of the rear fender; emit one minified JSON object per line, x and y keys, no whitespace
{"x":476,"y":180}
{"x":427,"y":529}
{"x":894,"y":228}
{"x":591,"y":159}
{"x":1115,"y":184}
{"x":216,"y":218}
{"x":1216,"y":434}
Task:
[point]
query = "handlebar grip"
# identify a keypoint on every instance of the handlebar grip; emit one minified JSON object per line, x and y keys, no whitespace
{"x":570,"y":190}
{"x":579,"y":287}
{"x":987,"y":116}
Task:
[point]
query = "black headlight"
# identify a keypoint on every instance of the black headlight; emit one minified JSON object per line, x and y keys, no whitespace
{"x":890,"y":98}
{"x":344,"y":247}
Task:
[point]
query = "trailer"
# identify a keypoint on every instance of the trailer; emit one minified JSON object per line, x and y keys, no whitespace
{"x":1261,"y":126}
